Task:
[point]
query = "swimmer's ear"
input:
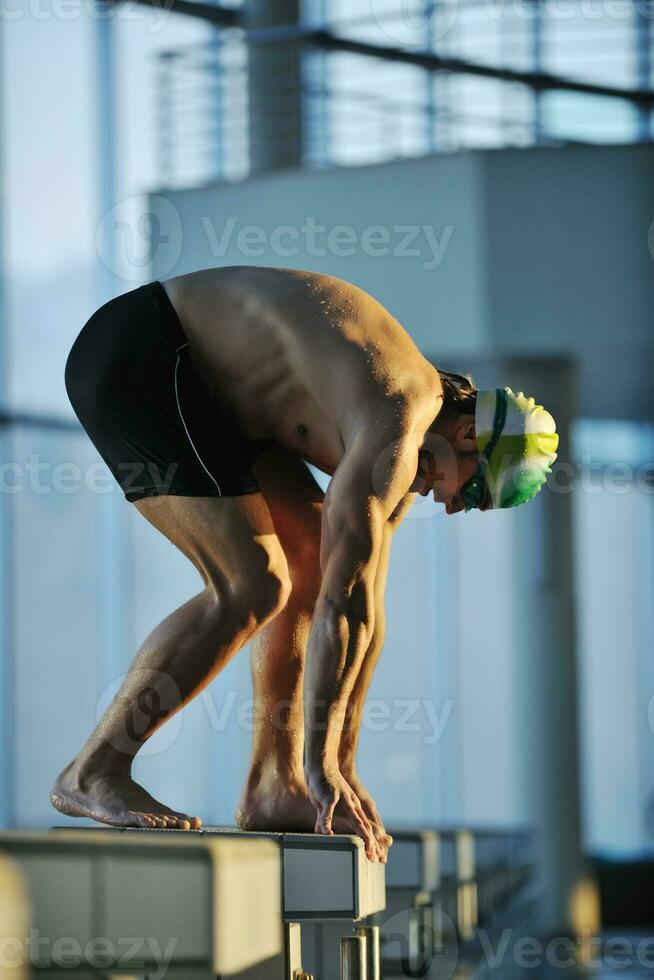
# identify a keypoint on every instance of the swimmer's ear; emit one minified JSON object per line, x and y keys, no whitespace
{"x":465,"y":432}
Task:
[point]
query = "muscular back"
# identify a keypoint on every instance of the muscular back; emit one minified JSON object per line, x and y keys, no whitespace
{"x":303,"y":358}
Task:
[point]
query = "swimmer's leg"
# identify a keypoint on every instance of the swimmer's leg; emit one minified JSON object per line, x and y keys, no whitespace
{"x":232,"y":543}
{"x":275,"y":795}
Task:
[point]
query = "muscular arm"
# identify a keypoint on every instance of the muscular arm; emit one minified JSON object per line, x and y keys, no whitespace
{"x":352,"y":725}
{"x":369,"y":483}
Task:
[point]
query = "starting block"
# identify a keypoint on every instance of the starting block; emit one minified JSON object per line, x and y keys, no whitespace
{"x":135,"y":905}
{"x":322,"y":879}
{"x":443,"y":884}
{"x":14,"y":918}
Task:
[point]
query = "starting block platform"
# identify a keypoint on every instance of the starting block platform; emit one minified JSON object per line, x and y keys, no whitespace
{"x":321,"y":877}
{"x":444,"y":884}
{"x":194,"y":904}
{"x":134,"y":904}
{"x":224,"y":903}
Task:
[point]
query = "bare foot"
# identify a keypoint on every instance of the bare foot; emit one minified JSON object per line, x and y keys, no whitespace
{"x":115,"y":799}
{"x":277,"y":808}
{"x":287,"y":808}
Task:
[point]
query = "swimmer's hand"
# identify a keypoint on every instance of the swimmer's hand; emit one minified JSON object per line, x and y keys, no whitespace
{"x":336,"y":802}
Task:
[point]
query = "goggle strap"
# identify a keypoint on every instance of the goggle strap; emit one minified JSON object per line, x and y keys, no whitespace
{"x":498,"y":422}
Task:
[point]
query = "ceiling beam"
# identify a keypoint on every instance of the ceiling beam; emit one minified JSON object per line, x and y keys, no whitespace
{"x":428,"y":60}
{"x":541,"y":81}
{"x":220,"y":16}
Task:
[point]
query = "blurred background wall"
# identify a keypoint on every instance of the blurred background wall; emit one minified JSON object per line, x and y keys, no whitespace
{"x":484,"y":169}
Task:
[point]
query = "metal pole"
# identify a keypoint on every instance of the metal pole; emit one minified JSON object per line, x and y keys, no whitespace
{"x":353,"y":958}
{"x":7,"y":598}
{"x":275,"y":95}
{"x":371,"y":936}
{"x":431,"y":120}
{"x":220,"y":112}
{"x":548,"y":685}
{"x":537,"y":62}
{"x":644,"y":68}
{"x":292,"y":950}
{"x":113,"y":590}
{"x":315,"y":77}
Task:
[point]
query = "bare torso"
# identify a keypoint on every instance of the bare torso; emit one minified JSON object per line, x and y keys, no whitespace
{"x":299,"y":357}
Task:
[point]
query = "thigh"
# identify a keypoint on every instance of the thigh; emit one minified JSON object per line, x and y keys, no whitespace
{"x":295,"y":502}
{"x":229,"y":539}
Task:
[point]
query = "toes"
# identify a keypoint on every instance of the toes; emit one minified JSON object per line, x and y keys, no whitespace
{"x":163,"y":821}
{"x":141,"y":820}
{"x":184,"y":822}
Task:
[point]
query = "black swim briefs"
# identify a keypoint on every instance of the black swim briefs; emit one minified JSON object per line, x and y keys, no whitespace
{"x":131,"y":381}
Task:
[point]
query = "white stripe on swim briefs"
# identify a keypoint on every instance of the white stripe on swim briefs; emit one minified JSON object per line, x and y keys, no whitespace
{"x":179,"y":409}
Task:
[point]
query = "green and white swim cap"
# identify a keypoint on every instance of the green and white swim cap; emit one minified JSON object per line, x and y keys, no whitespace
{"x":517,"y":441}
